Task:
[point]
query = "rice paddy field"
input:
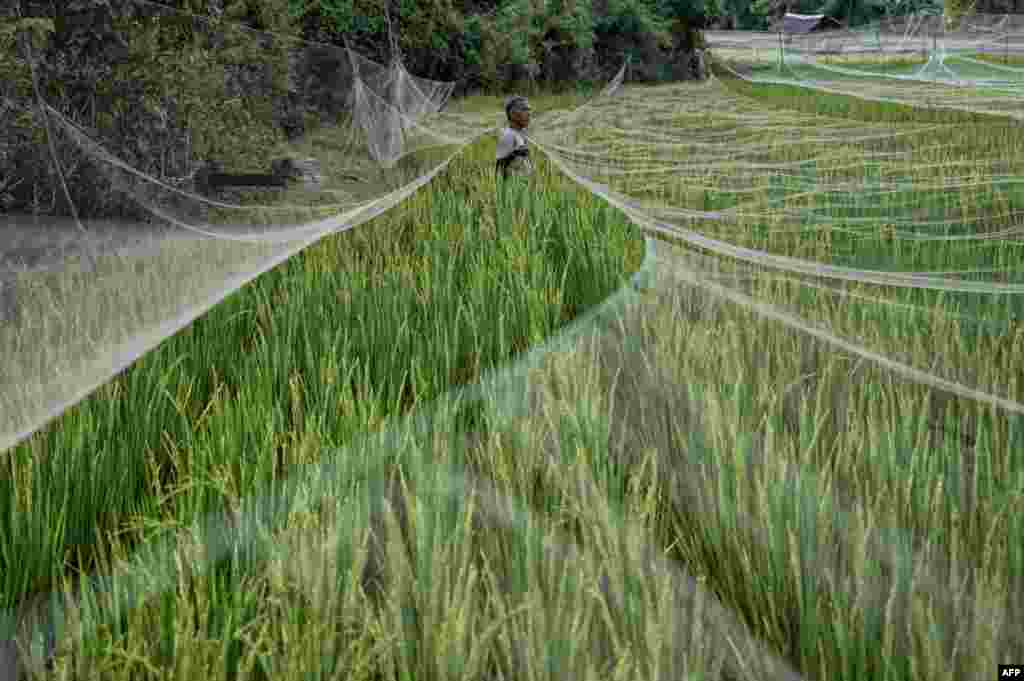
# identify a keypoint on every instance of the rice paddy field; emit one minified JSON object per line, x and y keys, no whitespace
{"x":639,"y":481}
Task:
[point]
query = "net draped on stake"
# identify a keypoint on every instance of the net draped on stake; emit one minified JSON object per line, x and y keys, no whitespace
{"x":373,"y":134}
{"x":388,"y":102}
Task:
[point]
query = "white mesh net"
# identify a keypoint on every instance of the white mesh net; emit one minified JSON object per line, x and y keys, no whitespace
{"x":926,"y":61}
{"x":193,"y":246}
{"x":817,"y":378}
{"x":847,"y":258}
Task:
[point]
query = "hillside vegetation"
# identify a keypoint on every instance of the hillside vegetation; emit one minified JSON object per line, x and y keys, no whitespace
{"x":102,"y":63}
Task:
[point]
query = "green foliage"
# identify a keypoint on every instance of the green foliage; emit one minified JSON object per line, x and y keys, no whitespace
{"x":689,"y":10}
{"x":18,"y":115}
{"x":340,"y":12}
{"x":516,"y":33}
{"x":273,"y":15}
{"x":631,"y":17}
{"x":954,"y":9}
{"x":527,"y":29}
{"x":514,"y":21}
{"x":345,"y":16}
{"x":855,"y":12}
{"x":425,"y":28}
{"x":15,"y":74}
{"x":168,"y":55}
{"x":472,"y":43}
{"x":714,"y":9}
{"x":746,"y":15}
{"x":38,"y":29}
{"x":575,"y":21}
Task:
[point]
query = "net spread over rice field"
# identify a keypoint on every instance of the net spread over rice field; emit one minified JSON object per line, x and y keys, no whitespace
{"x":794,"y":450}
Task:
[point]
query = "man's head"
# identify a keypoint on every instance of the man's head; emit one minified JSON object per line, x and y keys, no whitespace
{"x":518,"y":111}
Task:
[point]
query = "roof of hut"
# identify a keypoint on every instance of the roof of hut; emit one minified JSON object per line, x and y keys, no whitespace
{"x":803,"y":23}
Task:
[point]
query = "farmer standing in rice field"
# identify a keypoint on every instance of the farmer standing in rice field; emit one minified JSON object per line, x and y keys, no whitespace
{"x":513,"y":156}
